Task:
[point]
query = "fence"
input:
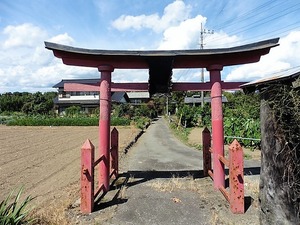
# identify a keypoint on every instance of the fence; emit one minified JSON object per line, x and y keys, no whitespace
{"x":88,"y":165}
{"x":235,"y":163}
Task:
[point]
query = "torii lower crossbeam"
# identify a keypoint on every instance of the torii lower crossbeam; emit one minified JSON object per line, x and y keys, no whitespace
{"x":195,"y":86}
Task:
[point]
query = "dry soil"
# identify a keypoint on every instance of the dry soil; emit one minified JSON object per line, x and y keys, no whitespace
{"x":46,"y":160}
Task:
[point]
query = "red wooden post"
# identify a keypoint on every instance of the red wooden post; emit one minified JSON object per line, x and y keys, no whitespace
{"x":236,"y":177}
{"x":104,"y":125}
{"x":114,"y":155}
{"x":206,"y":143}
{"x":87,"y":177}
{"x":217,"y":125}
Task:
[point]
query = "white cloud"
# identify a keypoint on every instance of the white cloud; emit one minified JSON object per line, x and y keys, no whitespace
{"x":283,"y":57}
{"x":183,"y":36}
{"x":49,"y":75}
{"x":173,"y":14}
{"x":124,"y":76}
{"x":186,"y":35}
{"x":25,"y":35}
{"x":126,"y":22}
{"x":63,"y":39}
{"x":180,"y":30}
{"x":27,"y":66}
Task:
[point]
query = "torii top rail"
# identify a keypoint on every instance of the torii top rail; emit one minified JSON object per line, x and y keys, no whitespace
{"x":160,"y":65}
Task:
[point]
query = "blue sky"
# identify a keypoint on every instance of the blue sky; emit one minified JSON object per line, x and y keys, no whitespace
{"x":25,"y":65}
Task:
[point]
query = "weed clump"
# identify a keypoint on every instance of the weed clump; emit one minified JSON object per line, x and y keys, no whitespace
{"x":13,"y":211}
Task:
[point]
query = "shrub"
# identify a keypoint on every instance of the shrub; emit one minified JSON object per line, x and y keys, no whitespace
{"x":73,"y":111}
{"x":15,"y":212}
{"x":241,"y":127}
{"x":141,"y":122}
{"x":123,"y":110}
{"x":188,"y":115}
{"x":3,"y":119}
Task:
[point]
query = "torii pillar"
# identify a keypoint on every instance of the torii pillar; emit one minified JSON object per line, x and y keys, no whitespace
{"x":217,"y":125}
{"x":104,"y":125}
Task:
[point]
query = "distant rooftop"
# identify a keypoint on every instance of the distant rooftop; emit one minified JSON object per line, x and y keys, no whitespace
{"x":197,"y":100}
{"x":283,"y":76}
{"x":81,"y":81}
{"x":141,"y":94}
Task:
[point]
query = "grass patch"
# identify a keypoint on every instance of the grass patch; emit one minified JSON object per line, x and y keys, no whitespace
{"x":175,"y":183}
{"x":56,"y":210}
{"x":181,"y":133}
{"x":54,"y":213}
{"x":252,"y":186}
{"x":247,"y":156}
{"x":198,"y":147}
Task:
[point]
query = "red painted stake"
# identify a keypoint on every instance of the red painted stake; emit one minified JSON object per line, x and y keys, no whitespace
{"x":104,"y":125}
{"x":114,"y":156}
{"x":87,"y":177}
{"x":217,"y":125}
{"x":236,"y":177}
{"x":206,"y":143}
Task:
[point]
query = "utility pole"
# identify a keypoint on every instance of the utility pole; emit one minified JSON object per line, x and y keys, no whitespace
{"x":202,"y":32}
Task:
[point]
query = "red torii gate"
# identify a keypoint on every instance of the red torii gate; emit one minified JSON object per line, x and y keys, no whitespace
{"x":160,"y":65}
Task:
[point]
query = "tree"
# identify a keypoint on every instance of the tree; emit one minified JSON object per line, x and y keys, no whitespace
{"x":37,"y":103}
{"x":280,"y":170}
{"x":240,"y":105}
{"x":73,"y":111}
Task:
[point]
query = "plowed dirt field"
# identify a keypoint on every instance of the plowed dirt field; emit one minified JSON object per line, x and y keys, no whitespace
{"x":46,"y":160}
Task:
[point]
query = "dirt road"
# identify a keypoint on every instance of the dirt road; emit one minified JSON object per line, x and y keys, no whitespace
{"x":45,"y":160}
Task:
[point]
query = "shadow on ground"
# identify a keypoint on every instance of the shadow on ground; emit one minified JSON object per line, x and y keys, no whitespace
{"x":116,"y":197}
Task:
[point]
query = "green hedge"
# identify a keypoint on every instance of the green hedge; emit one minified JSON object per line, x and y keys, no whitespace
{"x":65,"y":121}
{"x":119,"y":121}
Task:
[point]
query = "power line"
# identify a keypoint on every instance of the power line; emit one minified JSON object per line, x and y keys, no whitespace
{"x":265,"y":20}
{"x":247,"y":14}
{"x":272,"y":18}
{"x":223,"y":6}
{"x":278,"y":32}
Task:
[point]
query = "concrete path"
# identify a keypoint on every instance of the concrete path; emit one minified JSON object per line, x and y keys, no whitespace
{"x":159,"y":167}
{"x":159,"y":186}
{"x":159,"y":150}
